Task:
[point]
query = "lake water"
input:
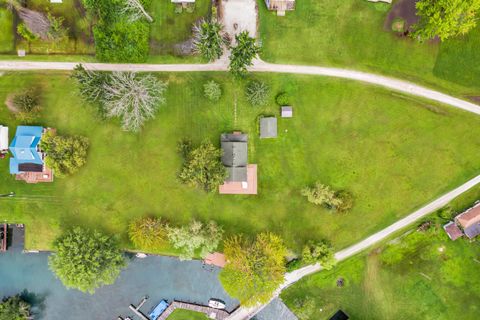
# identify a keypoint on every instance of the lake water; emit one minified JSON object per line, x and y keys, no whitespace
{"x":158,"y":277}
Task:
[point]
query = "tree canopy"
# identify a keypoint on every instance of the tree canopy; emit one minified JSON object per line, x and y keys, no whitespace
{"x":324,"y":195}
{"x":319,"y":252}
{"x":148,"y":233}
{"x":254,"y":269}
{"x":207,"y":40}
{"x":196,"y":237}
{"x":65,"y":154}
{"x":202,"y":167}
{"x":445,"y":18}
{"x":86,"y":260}
{"x":14,"y":308}
{"x":243,"y":53}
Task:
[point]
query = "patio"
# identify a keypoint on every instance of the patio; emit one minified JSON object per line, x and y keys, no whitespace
{"x":36,"y":177}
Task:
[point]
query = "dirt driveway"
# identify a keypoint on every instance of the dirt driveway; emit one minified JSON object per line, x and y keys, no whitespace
{"x":238,"y":16}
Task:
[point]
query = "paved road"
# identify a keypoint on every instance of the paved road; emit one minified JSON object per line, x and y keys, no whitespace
{"x":259,"y":66}
{"x":292,"y":277}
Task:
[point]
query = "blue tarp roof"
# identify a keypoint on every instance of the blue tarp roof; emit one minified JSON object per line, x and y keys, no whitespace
{"x":24,"y":147}
{"x":158,"y":310}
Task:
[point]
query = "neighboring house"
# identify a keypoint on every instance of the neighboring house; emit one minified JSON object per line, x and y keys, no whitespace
{"x":470,"y":221}
{"x":3,"y":139}
{"x":242,"y":177}
{"x":276,"y":309}
{"x":280,"y":6}
{"x":27,"y":161}
{"x":268,"y":127}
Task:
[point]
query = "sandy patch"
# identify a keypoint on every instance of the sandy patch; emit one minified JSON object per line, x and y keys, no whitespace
{"x":238,"y":16}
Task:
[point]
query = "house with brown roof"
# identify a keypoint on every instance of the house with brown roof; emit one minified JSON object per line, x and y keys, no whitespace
{"x":452,"y":230}
{"x":469,"y":221}
{"x":280,"y":6}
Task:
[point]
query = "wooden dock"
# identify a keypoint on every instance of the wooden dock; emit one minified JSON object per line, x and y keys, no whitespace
{"x":212,"y":313}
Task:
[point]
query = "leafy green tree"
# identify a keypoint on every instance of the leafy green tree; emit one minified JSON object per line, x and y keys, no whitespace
{"x":14,"y":308}
{"x":65,"y":154}
{"x":445,"y":18}
{"x":319,"y":252}
{"x":243,"y":53}
{"x":148,"y":233}
{"x":212,"y":90}
{"x":282,"y":99}
{"x":25,"y":33}
{"x":207,"y":40}
{"x":254,"y":269}
{"x":257,"y":93}
{"x":203,"y":168}
{"x":86,"y":260}
{"x":195,"y":237}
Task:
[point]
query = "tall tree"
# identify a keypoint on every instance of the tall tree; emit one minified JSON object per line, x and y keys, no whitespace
{"x":65,"y":154}
{"x":207,"y":40}
{"x":254,"y":269}
{"x":148,"y":233}
{"x":86,"y":260}
{"x":203,"y":168}
{"x":133,"y":98}
{"x":195,"y":237}
{"x":445,"y":18}
{"x":14,"y":308}
{"x":243,"y":53}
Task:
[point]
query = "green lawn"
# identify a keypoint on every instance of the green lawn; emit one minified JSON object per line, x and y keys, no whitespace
{"x":417,"y":276}
{"x":351,"y":34}
{"x":170,"y":28}
{"x":6,"y":31}
{"x":392,"y":152}
{"x":180,"y":314}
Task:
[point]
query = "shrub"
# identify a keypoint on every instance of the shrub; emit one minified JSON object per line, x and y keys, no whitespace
{"x":203,"y":168}
{"x":212,"y":90}
{"x":14,"y":308}
{"x":25,"y":33}
{"x":254,"y":269}
{"x":321,"y":194}
{"x":56,"y":31}
{"x":86,"y":260}
{"x":346,"y":201}
{"x":148,"y":233}
{"x":196,"y":237}
{"x":319,"y":252}
{"x":282,"y":99}
{"x":27,"y":105}
{"x":65,"y":154}
{"x":257,"y":93}
{"x":398,"y":25}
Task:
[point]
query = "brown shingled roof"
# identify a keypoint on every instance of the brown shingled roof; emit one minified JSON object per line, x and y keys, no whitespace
{"x":469,"y":217}
{"x":453,"y":230}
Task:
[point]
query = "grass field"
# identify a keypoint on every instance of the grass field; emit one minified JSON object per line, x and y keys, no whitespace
{"x":170,"y":28}
{"x":186,"y":315}
{"x":351,"y":34}
{"x":392,"y":152}
{"x":417,"y":276}
{"x":6,"y":31}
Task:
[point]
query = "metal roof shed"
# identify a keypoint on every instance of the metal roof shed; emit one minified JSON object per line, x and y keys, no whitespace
{"x":268,"y":127}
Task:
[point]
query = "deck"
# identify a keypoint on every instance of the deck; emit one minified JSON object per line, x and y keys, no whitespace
{"x":238,"y":188}
{"x":212,"y":313}
{"x":36,"y":177}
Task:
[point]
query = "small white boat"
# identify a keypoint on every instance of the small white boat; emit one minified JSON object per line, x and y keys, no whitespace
{"x":141,"y":255}
{"x":215,"y":303}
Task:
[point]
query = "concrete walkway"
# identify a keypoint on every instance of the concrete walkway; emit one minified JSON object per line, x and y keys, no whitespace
{"x":259,"y":66}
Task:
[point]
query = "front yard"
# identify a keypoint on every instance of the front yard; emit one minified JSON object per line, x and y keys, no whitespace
{"x":392,"y":152}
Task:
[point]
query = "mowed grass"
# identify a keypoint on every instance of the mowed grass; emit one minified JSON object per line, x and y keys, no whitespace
{"x":432,"y":278}
{"x":351,"y":34}
{"x":393,"y":153}
{"x":170,"y":28}
{"x":180,"y":314}
{"x":6,"y":31}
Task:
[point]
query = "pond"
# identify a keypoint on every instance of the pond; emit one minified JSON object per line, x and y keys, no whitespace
{"x":157,"y":277}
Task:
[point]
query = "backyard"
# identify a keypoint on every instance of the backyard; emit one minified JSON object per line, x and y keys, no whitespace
{"x":419,"y":275}
{"x":353,"y":34}
{"x":392,"y":152}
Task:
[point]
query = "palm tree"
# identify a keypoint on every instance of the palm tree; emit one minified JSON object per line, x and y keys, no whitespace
{"x":208,"y":41}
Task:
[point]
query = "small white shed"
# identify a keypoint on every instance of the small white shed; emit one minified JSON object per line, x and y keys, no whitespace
{"x":3,"y":138}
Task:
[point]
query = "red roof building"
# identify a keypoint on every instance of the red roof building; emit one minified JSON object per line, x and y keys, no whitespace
{"x":452,"y":230}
